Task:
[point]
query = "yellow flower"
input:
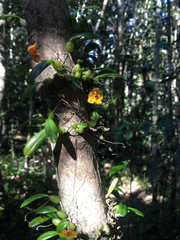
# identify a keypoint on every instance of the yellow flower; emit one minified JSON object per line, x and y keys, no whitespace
{"x":95,"y":96}
{"x":32,"y":49}
{"x":37,"y":57}
{"x":68,"y":233}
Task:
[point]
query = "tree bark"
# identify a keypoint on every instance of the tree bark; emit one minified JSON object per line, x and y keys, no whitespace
{"x":79,"y":184}
{"x":154,"y":144}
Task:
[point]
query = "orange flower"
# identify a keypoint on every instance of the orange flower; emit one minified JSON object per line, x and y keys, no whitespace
{"x":32,"y":49}
{"x":37,"y":57}
{"x":95,"y":96}
{"x":68,"y":233}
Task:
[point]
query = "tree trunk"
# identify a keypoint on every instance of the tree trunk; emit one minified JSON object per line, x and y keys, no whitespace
{"x":79,"y":184}
{"x":154,"y":144}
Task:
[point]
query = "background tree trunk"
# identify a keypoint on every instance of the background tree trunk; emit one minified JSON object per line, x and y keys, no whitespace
{"x":154,"y":160}
{"x":80,"y":190}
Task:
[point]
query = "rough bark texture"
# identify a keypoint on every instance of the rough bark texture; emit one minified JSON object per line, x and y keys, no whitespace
{"x":77,"y":168}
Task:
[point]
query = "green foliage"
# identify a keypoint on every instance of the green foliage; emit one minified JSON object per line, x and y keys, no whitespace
{"x":61,"y":226}
{"x":28,"y":91}
{"x":35,"y":142}
{"x":112,"y":186}
{"x":37,"y":221}
{"x":38,"y":70}
{"x":85,"y":36}
{"x":117,"y":168}
{"x":74,"y":80}
{"x":23,"y":70}
{"x":49,"y":213}
{"x":32,"y":199}
{"x":136,"y":211}
{"x":122,"y":209}
{"x":47,"y":235}
{"x":51,"y":130}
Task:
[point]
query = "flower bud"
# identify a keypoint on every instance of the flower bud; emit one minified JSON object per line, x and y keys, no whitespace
{"x":32,"y":49}
{"x":37,"y":57}
{"x":23,"y":22}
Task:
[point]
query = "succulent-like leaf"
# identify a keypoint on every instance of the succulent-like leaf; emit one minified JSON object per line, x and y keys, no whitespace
{"x":109,"y":75}
{"x":89,"y":7}
{"x":61,"y":70}
{"x":34,"y":142}
{"x":90,"y":46}
{"x":118,"y":189}
{"x":51,"y":130}
{"x":46,"y":209}
{"x":47,"y":235}
{"x":86,"y":35}
{"x":38,"y":70}
{"x":28,"y":91}
{"x":32,"y":199}
{"x":137,"y":212}
{"x":122,"y":209}
{"x":74,"y":80}
{"x":38,"y":220}
{"x":23,"y":70}
{"x":115,"y":96}
{"x":83,"y":125}
{"x":112,"y":186}
{"x":61,"y":226}
{"x":117,"y":168}
{"x":8,"y":16}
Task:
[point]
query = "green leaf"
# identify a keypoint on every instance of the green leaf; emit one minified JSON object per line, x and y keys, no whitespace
{"x":108,"y":75}
{"x":33,"y":198}
{"x":122,"y":209}
{"x":115,"y":96}
{"x":124,"y":120}
{"x":137,"y":212}
{"x":112,"y":186}
{"x":23,"y":70}
{"x":97,"y":17}
{"x":117,"y":168}
{"x":34,"y":142}
{"x":38,"y":70}
{"x":74,"y":80}
{"x":47,"y":235}
{"x":61,"y":226}
{"x":61,"y":70}
{"x":46,"y":209}
{"x":8,"y":16}
{"x":118,"y":189}
{"x":83,"y":125}
{"x":88,"y":7}
{"x":51,"y":130}
{"x":28,"y":91}
{"x":115,"y":193}
{"x":107,"y":70}
{"x":88,"y":64}
{"x":38,"y":220}
{"x":52,"y":215}
{"x":116,"y":208}
{"x":86,"y":35}
{"x":128,"y":134}
{"x":90,"y":46}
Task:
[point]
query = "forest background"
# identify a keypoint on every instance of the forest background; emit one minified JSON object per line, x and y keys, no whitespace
{"x":141,"y":41}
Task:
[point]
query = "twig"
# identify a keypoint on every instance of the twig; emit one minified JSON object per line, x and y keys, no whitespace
{"x":101,"y":138}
